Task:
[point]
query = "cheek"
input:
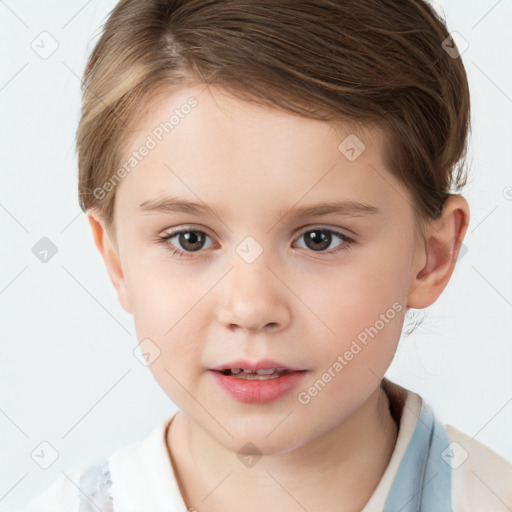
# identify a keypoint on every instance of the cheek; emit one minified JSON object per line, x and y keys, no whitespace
{"x":163,"y":316}
{"x":350,"y":362}
{"x":355,"y":295}
{"x":163,"y":308}
{"x":359,"y":313}
{"x":162,"y":294}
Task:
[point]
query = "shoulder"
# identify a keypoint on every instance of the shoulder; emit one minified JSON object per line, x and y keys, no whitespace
{"x":62,"y":494}
{"x":481,"y":479}
{"x":79,"y":489}
{"x":458,"y":471}
{"x":128,"y":478}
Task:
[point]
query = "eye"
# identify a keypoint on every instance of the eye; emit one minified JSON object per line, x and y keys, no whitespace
{"x":319,"y":239}
{"x":190,"y":240}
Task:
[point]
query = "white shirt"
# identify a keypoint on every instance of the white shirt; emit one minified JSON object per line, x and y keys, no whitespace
{"x":433,"y":468}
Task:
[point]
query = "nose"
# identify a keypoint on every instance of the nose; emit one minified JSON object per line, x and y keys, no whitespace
{"x":254,"y":298}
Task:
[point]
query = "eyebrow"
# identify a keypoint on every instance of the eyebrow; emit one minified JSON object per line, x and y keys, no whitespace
{"x":346,"y":208}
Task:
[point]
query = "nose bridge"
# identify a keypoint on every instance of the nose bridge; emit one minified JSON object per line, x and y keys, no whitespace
{"x":253,"y":296}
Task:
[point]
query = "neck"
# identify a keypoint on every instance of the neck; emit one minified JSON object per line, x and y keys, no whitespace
{"x":337,"y":471}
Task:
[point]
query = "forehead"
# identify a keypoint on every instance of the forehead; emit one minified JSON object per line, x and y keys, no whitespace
{"x":200,"y":141}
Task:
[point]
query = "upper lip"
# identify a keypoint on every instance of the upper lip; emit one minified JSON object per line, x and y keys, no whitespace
{"x":263,"y":364}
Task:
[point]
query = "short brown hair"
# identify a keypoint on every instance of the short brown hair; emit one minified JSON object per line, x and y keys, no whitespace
{"x":372,"y":63}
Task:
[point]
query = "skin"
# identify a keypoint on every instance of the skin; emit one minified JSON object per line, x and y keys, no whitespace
{"x":293,"y":304}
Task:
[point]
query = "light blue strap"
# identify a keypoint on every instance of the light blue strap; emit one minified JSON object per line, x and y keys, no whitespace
{"x":423,"y":480}
{"x":94,"y":492}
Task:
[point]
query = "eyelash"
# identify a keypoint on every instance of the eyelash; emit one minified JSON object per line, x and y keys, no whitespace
{"x":164,"y":239}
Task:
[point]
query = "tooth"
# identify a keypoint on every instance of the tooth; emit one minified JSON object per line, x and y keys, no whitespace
{"x":265,"y":372}
{"x":255,"y":376}
{"x":236,"y":371}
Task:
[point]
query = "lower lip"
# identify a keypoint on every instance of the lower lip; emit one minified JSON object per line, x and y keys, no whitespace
{"x":258,"y":391}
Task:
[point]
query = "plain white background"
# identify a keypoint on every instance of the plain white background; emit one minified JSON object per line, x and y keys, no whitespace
{"x":68,"y":372}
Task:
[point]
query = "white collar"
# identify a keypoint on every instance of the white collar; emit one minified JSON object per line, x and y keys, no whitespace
{"x":143,"y":477}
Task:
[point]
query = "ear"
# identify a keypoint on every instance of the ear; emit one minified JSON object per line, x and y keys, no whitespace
{"x":110,"y":254}
{"x":437,"y":254}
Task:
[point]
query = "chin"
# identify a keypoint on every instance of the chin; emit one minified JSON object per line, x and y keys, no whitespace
{"x":261,"y":437}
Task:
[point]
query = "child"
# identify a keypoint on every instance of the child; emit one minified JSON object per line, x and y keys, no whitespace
{"x":271,"y":185}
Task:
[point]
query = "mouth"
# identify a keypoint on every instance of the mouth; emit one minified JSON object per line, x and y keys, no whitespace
{"x":264,"y":374}
{"x":265,"y":369}
{"x":258,"y":383}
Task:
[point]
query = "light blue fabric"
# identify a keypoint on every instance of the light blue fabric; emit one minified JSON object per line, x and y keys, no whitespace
{"x":423,"y":481}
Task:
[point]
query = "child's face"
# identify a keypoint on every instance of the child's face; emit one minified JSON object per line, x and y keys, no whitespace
{"x":293,"y":303}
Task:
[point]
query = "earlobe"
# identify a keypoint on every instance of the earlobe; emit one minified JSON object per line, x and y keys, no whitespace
{"x":111,"y":258}
{"x":439,"y":252}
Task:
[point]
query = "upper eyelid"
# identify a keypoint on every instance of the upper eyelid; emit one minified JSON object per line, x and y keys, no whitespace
{"x":302,"y":229}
